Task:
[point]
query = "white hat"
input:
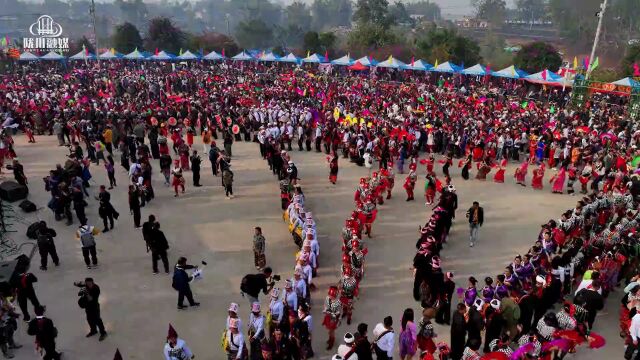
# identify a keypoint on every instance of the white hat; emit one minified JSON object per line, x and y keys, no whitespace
{"x":233,"y":307}
{"x":495,"y":303}
{"x":275,"y":293}
{"x":541,"y":280}
{"x":290,"y":162}
{"x":255,"y":307}
{"x":309,"y":215}
{"x":348,"y":338}
{"x":479,"y":303}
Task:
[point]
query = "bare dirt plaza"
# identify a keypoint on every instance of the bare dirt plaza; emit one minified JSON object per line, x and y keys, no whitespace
{"x":137,"y":306}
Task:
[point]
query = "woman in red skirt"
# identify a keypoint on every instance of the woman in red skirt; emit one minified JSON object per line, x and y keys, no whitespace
{"x":332,"y":308}
{"x":333,"y":167}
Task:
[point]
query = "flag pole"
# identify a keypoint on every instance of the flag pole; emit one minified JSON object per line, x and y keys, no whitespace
{"x":95,"y":35}
{"x":600,"y":15}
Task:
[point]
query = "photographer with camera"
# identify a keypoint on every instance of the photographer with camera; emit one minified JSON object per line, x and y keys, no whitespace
{"x":252,"y":284}
{"x":89,"y":295}
{"x":181,"y":281}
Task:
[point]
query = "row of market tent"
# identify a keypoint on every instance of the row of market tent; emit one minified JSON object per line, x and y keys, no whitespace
{"x":545,"y":77}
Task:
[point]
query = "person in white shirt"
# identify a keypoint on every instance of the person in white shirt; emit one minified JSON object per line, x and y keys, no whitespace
{"x":233,"y":315}
{"x":347,"y":350}
{"x":384,"y":339}
{"x":290,"y":296}
{"x":276,"y":310}
{"x":256,"y":330}
{"x":175,"y":348}
{"x":235,"y":342}
{"x":634,"y":331}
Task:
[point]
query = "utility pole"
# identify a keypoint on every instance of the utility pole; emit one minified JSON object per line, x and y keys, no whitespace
{"x":226,"y":17}
{"x":95,"y":35}
{"x":600,"y":15}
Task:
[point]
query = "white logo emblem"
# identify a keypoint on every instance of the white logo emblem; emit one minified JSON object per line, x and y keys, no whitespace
{"x":45,"y":27}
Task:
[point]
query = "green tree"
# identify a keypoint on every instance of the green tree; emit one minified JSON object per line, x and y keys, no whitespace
{"x":311,"y":42}
{"x":537,"y":56}
{"x":632,"y":56}
{"x":254,"y":33}
{"x":430,"y":10}
{"x":330,"y":13}
{"x":126,"y":38}
{"x":492,"y":51}
{"x":399,"y":15}
{"x":367,"y":36}
{"x":164,"y":35}
{"x":208,"y":41}
{"x":299,"y":15}
{"x":493,"y":11}
{"x":327,"y":40}
{"x":531,"y":10}
{"x":447,"y":45}
{"x":373,"y":11}
{"x":575,"y":19}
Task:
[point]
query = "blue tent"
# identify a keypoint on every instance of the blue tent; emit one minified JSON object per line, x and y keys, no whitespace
{"x":213,"y":56}
{"x":367,"y":61}
{"x":392,"y":63}
{"x":110,"y":55}
{"x":188,"y":55}
{"x":135,"y":55}
{"x":270,"y":56}
{"x":291,"y":58}
{"x":27,"y":56}
{"x":52,"y":55}
{"x":510,"y":72}
{"x":82,"y":55}
{"x":314,"y":58}
{"x":545,"y":77}
{"x":475,"y":70}
{"x":162,"y":56}
{"x":447,"y":67}
{"x":418,"y":65}
{"x":243,"y":56}
{"x":628,"y":82}
{"x":344,"y":61}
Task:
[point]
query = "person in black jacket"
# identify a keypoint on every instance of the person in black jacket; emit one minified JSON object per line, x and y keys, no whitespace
{"x":106,"y":210}
{"x":181,"y":283}
{"x":159,"y":245}
{"x":45,"y":332}
{"x":458,"y":332}
{"x":443,"y":316}
{"x":134,"y":205}
{"x":91,"y":294}
{"x":195,"y":168}
{"x":475,"y":214}
{"x":46,"y":246}
{"x":213,"y":158}
{"x":23,"y":283}
{"x":474,"y":324}
{"x":362,"y":344}
{"x":79,"y":204}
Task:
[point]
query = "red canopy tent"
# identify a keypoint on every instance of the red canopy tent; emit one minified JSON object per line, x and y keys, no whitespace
{"x":358,"y":66}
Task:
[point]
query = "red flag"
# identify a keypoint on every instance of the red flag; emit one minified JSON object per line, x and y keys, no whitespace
{"x":544,"y":74}
{"x":326,"y":56}
{"x":586,"y":63}
{"x":412,"y":60}
{"x":156,"y":51}
{"x":636,"y":69}
{"x":222,"y":52}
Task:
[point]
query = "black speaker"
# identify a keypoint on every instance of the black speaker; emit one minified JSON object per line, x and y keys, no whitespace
{"x":12,"y":191}
{"x":27,"y":206}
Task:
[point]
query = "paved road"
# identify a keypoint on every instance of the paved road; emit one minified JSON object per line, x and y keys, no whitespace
{"x":137,"y":306}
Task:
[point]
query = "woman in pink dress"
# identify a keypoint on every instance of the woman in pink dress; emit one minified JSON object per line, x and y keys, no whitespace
{"x":521,"y":173}
{"x":538,"y":175}
{"x":558,"y":181}
{"x":499,"y":176}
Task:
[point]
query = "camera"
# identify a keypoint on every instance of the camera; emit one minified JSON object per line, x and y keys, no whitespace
{"x":276,"y":278}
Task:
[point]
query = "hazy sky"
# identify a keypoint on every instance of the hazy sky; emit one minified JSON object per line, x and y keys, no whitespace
{"x":457,"y":8}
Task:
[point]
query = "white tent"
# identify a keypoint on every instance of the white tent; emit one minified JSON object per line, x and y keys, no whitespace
{"x":628,"y":82}
{"x":134,"y":55}
{"x":270,"y":56}
{"x":82,"y":55}
{"x":392,"y":63}
{"x":345,"y":61}
{"x":162,"y":56}
{"x":290,"y":58}
{"x":110,"y":55}
{"x":27,"y":56}
{"x":213,"y":56}
{"x":188,"y":55}
{"x":52,"y":55}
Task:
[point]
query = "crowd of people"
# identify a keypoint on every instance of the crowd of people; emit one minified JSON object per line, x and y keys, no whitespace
{"x":386,"y":118}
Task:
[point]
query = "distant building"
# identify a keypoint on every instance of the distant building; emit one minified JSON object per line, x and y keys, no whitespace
{"x":472,"y":23}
